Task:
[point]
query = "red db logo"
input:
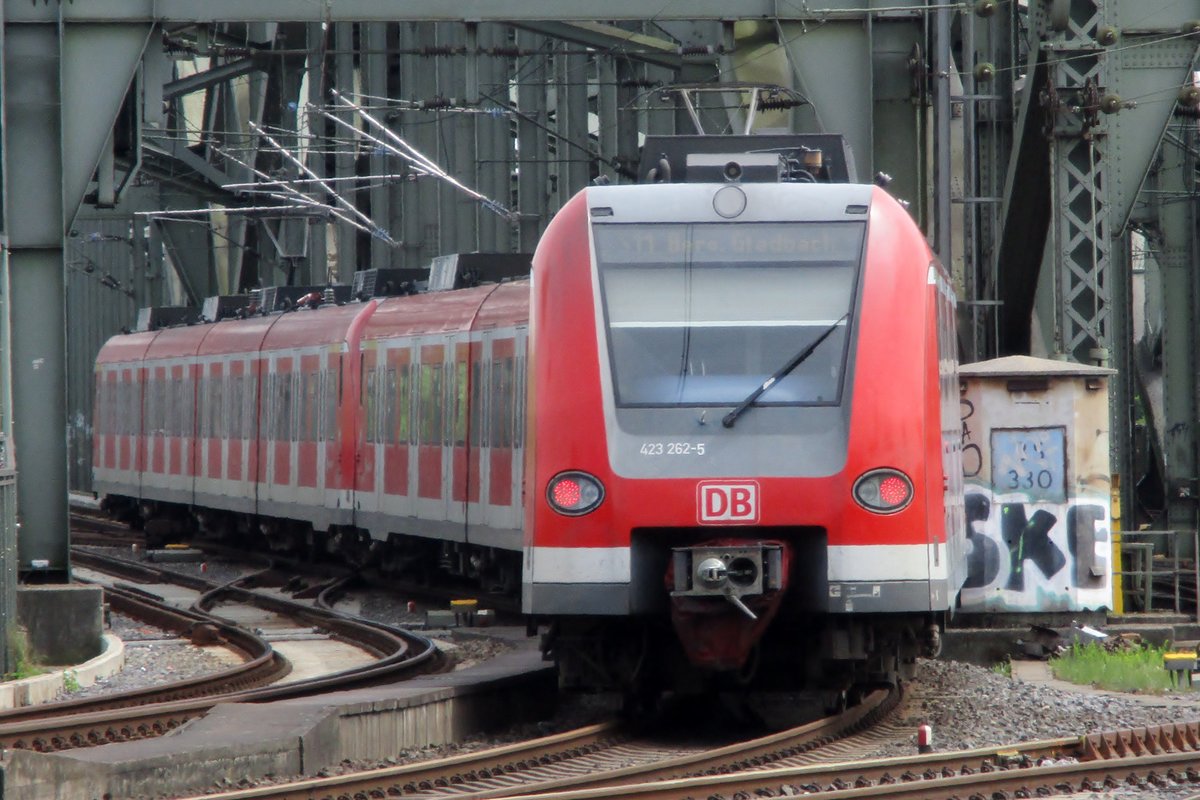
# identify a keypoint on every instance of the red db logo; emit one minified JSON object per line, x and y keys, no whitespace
{"x":728,"y":503}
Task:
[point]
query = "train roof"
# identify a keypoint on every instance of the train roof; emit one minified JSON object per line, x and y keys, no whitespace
{"x":125,"y":348}
{"x":486,"y":306}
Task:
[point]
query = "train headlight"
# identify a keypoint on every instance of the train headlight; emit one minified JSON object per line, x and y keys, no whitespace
{"x":574,"y":493}
{"x":884,"y":491}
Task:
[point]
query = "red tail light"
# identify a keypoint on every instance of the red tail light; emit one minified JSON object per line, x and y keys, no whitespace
{"x":574,"y":493}
{"x":884,"y":491}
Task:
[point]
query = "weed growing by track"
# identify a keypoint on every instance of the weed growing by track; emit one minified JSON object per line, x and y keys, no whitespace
{"x":1133,"y":670}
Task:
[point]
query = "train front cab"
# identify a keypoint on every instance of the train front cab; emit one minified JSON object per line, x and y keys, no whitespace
{"x":654,"y":317}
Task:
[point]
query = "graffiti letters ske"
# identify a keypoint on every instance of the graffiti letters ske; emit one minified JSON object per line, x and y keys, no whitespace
{"x":1025,"y":542}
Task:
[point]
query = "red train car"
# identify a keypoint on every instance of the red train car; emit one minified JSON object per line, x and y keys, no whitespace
{"x":717,"y":432}
{"x":387,"y":430}
{"x":743,"y":427}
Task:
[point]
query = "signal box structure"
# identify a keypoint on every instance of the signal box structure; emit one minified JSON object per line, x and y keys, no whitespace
{"x":1035,"y":441}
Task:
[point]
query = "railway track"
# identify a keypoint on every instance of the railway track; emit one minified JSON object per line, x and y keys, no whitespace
{"x":603,"y":760}
{"x":152,"y":712}
{"x":1167,"y":755}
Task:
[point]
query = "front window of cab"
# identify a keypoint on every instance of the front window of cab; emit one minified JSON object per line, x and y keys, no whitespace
{"x":702,"y":314}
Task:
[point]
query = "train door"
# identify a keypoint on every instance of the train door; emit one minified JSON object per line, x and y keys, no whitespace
{"x":154,"y":434}
{"x":366,"y":491}
{"x":210,"y":434}
{"x":279,"y":402}
{"x":309,"y":456}
{"x":396,"y":433}
{"x":464,"y":460}
{"x":500,"y":431}
{"x":241,"y":403}
{"x":431,"y":499}
{"x":338,"y":484}
{"x":477,"y":508}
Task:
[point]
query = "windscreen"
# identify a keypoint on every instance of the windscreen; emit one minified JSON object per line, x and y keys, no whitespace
{"x":702,"y":314}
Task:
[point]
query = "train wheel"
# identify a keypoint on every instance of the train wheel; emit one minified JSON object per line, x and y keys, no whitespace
{"x":641,"y":702}
{"x":837,"y":702}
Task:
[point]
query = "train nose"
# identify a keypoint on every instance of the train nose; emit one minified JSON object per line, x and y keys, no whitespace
{"x":712,"y":573}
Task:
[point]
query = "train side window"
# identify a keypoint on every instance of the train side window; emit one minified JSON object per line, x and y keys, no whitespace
{"x":333,"y":398}
{"x":270,"y":413}
{"x":252,"y":425}
{"x":326,"y":397}
{"x":174,"y":407}
{"x":389,"y":406}
{"x":501,"y":417}
{"x":519,"y":403}
{"x":211,"y":396}
{"x":404,"y":404}
{"x":460,"y":388}
{"x":233,"y":402}
{"x":371,"y":409}
{"x":476,"y":402}
{"x":291,"y":402}
{"x":191,"y":406}
{"x":430,"y":404}
{"x":204,"y":420}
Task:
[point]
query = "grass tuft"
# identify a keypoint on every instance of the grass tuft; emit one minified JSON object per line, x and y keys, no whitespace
{"x":1134,"y":670}
{"x":24,"y":665}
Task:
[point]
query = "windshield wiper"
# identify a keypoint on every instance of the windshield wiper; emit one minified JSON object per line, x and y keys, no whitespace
{"x":780,"y":374}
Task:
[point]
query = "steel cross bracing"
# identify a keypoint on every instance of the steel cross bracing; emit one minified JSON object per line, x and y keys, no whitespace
{"x":1080,"y":235}
{"x":527,"y":101}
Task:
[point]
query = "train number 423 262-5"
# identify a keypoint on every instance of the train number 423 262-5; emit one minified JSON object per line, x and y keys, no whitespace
{"x":672,"y":448}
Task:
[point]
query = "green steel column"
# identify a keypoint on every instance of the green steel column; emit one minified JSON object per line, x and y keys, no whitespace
{"x":33,"y":211}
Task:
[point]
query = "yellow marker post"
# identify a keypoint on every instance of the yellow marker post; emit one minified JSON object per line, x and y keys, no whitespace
{"x":464,"y":611}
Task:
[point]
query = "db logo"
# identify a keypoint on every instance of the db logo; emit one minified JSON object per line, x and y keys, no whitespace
{"x":728,"y":503}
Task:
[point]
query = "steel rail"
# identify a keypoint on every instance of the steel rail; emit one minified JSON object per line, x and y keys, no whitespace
{"x":1088,"y":763}
{"x":136,"y":715}
{"x":468,"y":776}
{"x":262,"y":665}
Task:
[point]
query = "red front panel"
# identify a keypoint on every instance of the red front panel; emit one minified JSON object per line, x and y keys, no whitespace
{"x":566,"y":420}
{"x":892,"y":414}
{"x":888,"y":420}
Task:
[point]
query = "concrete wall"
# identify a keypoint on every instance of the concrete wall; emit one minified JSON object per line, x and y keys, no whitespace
{"x":64,"y":623}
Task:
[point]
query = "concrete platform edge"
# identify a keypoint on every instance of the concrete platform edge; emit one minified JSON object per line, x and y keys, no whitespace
{"x":248,"y":741}
{"x":51,"y":685}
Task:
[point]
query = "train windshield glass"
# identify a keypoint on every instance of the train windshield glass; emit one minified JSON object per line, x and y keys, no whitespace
{"x":702,"y":314}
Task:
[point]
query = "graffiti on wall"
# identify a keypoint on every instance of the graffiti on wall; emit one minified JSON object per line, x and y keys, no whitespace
{"x":1044,"y":556}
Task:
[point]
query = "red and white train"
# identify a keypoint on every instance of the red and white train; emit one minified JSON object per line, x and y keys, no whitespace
{"x":716,"y":432}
